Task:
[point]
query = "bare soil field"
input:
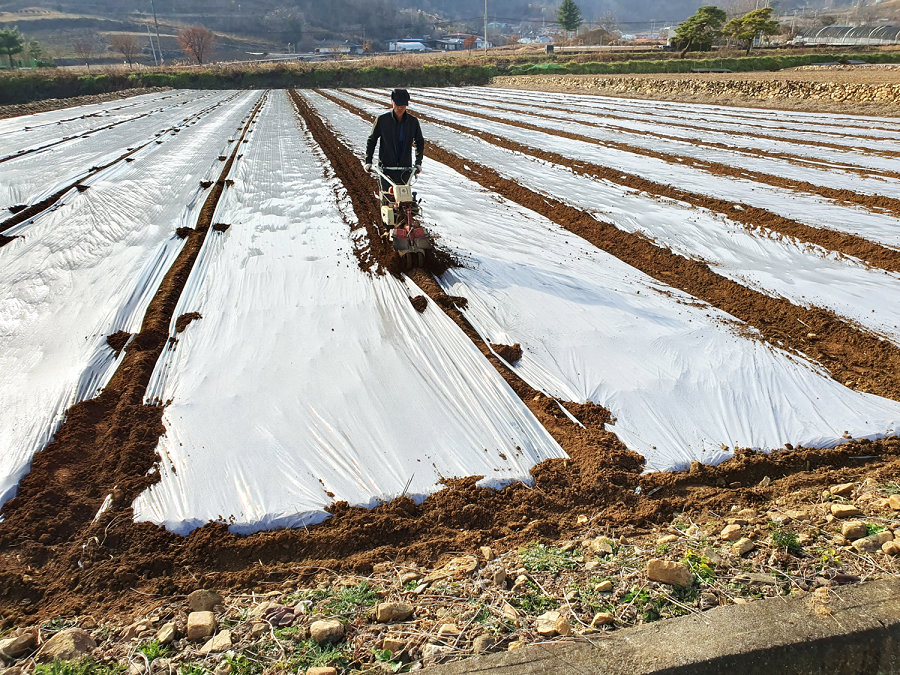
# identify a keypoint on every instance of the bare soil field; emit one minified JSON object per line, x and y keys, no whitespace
{"x":873,"y":89}
{"x":592,"y":544}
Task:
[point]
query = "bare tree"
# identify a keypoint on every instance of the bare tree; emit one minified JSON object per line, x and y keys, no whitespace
{"x":127,"y":45}
{"x":196,"y":41}
{"x":86,"y":46}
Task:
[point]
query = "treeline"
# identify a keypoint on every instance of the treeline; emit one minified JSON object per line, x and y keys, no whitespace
{"x":23,"y":87}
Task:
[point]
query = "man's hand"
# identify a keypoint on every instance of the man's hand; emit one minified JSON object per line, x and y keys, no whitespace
{"x":368,"y":167}
{"x":418,"y":168}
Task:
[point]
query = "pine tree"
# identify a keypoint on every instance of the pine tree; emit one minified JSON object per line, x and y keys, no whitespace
{"x":701,"y":29}
{"x":11,"y":42}
{"x":569,"y":16}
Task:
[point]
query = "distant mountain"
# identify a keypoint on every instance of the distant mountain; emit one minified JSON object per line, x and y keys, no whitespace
{"x":305,"y":22}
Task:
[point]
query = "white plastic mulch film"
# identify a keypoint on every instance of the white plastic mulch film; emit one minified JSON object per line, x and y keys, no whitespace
{"x":684,"y":380}
{"x":88,"y":269}
{"x":308,"y":381}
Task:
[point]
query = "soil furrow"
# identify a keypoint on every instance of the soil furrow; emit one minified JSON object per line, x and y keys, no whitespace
{"x":853,"y":356}
{"x":749,"y":216}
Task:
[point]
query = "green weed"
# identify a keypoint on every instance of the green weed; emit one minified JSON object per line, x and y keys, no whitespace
{"x":192,"y":669}
{"x":533,"y":601}
{"x":786,"y":540}
{"x":56,"y":625}
{"x":308,"y":654}
{"x":700,"y":565}
{"x":541,"y":558}
{"x":154,"y":650}
{"x":871,"y":529}
{"x":86,"y":666}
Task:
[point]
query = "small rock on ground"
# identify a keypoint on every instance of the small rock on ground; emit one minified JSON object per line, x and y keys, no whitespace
{"x":204,"y":601}
{"x":844,"y":511}
{"x":326,"y":630}
{"x":669,"y":572}
{"x":66,"y":645}
{"x":200,"y":625}
{"x":386,"y":612}
{"x":219,"y":643}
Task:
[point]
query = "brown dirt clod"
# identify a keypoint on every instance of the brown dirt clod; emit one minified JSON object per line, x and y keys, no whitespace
{"x":509,"y":353}
{"x":182,"y":321}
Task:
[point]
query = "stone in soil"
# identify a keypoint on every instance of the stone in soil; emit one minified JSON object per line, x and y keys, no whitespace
{"x":432,"y":654}
{"x":457,"y":568}
{"x":394,"y":644}
{"x":14,"y":647}
{"x":203,"y":600}
{"x":602,"y":619}
{"x":669,"y":572}
{"x":258,"y":629}
{"x":386,"y":612}
{"x":499,"y":576}
{"x":844,"y":511}
{"x":894,"y":502}
{"x":219,"y":643}
{"x":842,"y":490}
{"x":854,"y":529}
{"x":166,"y":634}
{"x":600,"y":546}
{"x":448,"y":630}
{"x":482,"y":643}
{"x":326,"y":630}
{"x":515,"y":644}
{"x":730,"y":533}
{"x":891,"y":547}
{"x":742,"y":546}
{"x":604,"y":586}
{"x":509,"y":612}
{"x":873,"y":542}
{"x":200,"y":625}
{"x":552,"y":623}
{"x":667,"y":539}
{"x":66,"y":645}
{"x":321,"y":670}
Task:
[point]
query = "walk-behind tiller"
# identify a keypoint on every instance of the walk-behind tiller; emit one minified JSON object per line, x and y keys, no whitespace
{"x":399,"y":212}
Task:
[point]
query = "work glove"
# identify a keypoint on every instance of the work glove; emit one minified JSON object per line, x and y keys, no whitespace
{"x":368,"y":167}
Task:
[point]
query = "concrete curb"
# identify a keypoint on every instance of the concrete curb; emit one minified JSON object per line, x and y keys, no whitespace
{"x":855,"y":629}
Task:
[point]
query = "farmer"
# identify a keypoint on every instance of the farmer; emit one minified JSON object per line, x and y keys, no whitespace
{"x":397,"y":130}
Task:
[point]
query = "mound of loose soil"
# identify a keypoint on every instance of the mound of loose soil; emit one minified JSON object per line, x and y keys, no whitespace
{"x":509,"y":353}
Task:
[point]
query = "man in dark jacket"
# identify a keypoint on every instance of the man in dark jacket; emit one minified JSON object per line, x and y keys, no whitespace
{"x":397,"y":130}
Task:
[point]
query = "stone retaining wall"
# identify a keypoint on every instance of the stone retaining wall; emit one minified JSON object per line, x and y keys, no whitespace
{"x":688,"y":87}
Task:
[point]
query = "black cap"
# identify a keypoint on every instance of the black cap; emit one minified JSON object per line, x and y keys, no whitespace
{"x":400,"y":96}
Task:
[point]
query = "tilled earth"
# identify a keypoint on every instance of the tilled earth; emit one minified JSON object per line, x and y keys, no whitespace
{"x":588,"y":520}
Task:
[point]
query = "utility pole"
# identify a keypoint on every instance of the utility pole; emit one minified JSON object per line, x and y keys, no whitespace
{"x":156,"y":23}
{"x":152,"y":48}
{"x":485,"y":26}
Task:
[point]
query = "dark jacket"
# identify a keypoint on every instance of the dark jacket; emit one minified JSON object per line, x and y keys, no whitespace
{"x":393,"y":134}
